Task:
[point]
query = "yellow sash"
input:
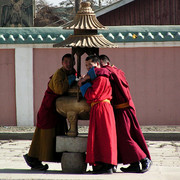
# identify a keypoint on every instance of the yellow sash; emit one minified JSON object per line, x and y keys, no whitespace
{"x":93,"y":103}
{"x":120,"y":106}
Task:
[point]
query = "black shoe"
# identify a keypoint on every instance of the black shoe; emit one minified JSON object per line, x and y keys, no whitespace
{"x":103,"y":169}
{"x":34,"y":163}
{"x":133,"y":168}
{"x":146,"y":164}
{"x":114,"y":169}
{"x":30,"y":160}
{"x":40,"y":167}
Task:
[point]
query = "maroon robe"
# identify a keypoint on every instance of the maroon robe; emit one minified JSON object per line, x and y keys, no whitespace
{"x":102,"y":140}
{"x":47,"y":116}
{"x":131,"y":144}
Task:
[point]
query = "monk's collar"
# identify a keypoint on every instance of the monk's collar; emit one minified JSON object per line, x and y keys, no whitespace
{"x":105,"y":66}
{"x":109,"y":65}
{"x":68,"y":72}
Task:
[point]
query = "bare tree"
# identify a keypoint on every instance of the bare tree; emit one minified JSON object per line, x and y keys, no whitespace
{"x":100,"y":3}
{"x":49,"y":15}
{"x":77,"y":5}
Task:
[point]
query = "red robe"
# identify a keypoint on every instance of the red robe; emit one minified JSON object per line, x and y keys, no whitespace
{"x":102,"y":140}
{"x":131,"y":144}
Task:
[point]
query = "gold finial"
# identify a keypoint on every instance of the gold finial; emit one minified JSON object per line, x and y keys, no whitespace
{"x":85,"y":19}
{"x":85,"y":4}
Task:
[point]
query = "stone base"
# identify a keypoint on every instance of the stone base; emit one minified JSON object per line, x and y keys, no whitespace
{"x":73,"y":162}
{"x":71,"y":144}
{"x":73,"y":149}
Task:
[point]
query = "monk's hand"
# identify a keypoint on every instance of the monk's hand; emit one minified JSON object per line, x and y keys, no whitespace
{"x":80,"y":82}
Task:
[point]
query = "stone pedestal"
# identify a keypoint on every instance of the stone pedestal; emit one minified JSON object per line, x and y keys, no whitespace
{"x":73,"y":162}
{"x":73,"y":149}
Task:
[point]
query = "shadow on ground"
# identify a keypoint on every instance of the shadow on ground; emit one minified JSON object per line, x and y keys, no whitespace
{"x":28,"y":171}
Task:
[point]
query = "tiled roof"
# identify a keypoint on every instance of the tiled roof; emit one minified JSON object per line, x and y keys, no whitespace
{"x":111,"y":7}
{"x":115,"y":34}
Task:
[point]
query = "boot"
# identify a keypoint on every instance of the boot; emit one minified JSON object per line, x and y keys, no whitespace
{"x":34,"y":163}
{"x":146,"y":164}
{"x":133,"y":168}
{"x":103,"y":169}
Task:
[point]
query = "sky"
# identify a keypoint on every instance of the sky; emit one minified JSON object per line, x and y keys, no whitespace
{"x":54,"y":2}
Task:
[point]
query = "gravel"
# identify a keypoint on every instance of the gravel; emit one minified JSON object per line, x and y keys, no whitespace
{"x":84,"y":129}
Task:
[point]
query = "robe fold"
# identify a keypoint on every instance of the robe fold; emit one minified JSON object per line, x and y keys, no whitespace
{"x":102,"y":139}
{"x":47,"y":116}
{"x":131,"y":143}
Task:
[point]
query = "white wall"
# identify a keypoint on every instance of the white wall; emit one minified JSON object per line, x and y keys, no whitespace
{"x":24,"y":86}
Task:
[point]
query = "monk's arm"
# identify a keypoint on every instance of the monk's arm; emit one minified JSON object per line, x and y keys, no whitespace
{"x":59,"y":83}
{"x":83,"y":80}
{"x":92,"y":91}
{"x":95,"y":72}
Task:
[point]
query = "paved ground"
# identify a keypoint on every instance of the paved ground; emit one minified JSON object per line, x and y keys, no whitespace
{"x":165,"y":156}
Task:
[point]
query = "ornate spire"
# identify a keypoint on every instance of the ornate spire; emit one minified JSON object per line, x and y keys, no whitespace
{"x":85,"y":19}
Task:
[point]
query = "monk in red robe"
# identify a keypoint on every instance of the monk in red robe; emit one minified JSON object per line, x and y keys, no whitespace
{"x":102,"y":141}
{"x":132,"y":148}
{"x":49,"y":122}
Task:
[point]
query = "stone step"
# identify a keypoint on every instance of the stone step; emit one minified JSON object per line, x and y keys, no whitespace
{"x":71,"y":144}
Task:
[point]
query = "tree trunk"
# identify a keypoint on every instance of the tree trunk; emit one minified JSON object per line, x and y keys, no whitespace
{"x":100,"y":3}
{"x":77,"y":5}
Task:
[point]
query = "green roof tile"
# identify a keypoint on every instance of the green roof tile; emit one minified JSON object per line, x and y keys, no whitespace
{"x":115,"y":34}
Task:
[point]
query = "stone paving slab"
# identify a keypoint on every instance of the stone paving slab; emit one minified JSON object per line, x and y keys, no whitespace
{"x":165,"y":156}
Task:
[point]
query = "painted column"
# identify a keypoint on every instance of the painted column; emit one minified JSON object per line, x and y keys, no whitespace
{"x":24,"y":86}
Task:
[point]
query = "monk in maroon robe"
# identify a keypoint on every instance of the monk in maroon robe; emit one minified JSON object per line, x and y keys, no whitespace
{"x":102,"y":141}
{"x":49,"y":122}
{"x":132,"y":147}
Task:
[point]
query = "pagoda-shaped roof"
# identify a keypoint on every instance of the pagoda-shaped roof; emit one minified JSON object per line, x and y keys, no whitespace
{"x":85,"y":25}
{"x":89,"y":41}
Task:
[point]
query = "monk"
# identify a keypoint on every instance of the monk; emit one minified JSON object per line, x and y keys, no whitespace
{"x":132,"y":148}
{"x":49,"y":122}
{"x":102,"y":141}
